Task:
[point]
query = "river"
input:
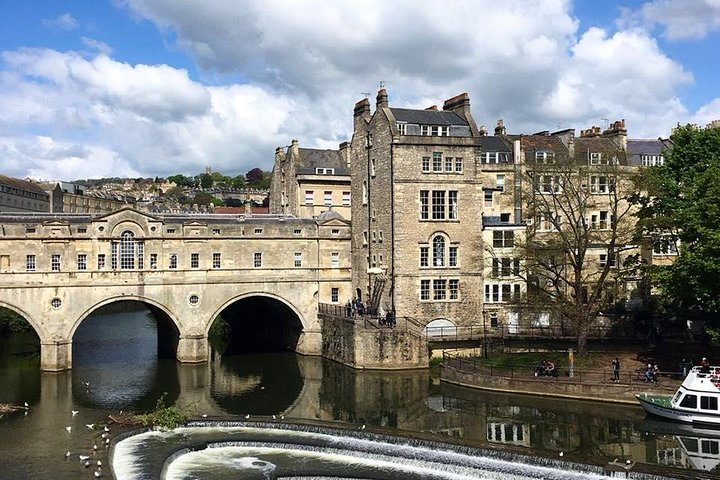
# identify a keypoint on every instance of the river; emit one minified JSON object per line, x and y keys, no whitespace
{"x":115,"y":367}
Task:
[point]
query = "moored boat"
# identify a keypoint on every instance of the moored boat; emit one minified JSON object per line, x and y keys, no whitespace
{"x":695,"y":402}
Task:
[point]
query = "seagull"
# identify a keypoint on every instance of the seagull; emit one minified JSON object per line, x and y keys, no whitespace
{"x":67,"y":454}
{"x":282,"y":417}
{"x":68,"y":428}
{"x":104,"y":435}
{"x":26,"y":406}
{"x":106,"y":429}
{"x":98,"y":474}
{"x":87,"y":384}
{"x":87,"y":463}
{"x":107,"y":441}
{"x":274,"y":417}
{"x":95,"y":447}
{"x":561,"y":454}
{"x":362,"y":427}
{"x":84,"y":458}
{"x":247,"y":416}
{"x":204,"y":415}
{"x":91,"y":426}
{"x":74,"y":412}
{"x":99,"y":463}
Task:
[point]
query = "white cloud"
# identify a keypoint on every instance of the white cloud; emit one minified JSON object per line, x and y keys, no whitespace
{"x":63,"y":22}
{"x":97,"y":45}
{"x":682,"y":19}
{"x":303,"y":69}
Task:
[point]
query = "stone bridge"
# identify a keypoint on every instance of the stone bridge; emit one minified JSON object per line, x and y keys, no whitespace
{"x":57,"y":269}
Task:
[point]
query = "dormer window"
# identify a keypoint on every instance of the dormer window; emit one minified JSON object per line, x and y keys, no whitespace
{"x":402,"y":128}
{"x":544,"y":156}
{"x":324,"y":171}
{"x":595,"y":158}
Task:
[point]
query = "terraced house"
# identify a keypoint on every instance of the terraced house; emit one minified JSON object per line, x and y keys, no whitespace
{"x":454,"y":226}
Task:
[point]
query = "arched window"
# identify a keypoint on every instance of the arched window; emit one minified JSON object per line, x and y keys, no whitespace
{"x":127,"y":250}
{"x":438,"y":243}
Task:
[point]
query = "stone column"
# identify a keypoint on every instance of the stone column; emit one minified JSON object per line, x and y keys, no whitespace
{"x":309,"y":343}
{"x":192,"y":349}
{"x":55,"y":355}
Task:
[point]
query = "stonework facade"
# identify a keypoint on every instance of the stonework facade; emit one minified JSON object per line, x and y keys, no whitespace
{"x":22,"y":196}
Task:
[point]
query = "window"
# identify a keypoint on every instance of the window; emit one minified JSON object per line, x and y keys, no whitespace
{"x":82,"y":229}
{"x":426,"y":164}
{"x":449,"y":164}
{"x":500,"y":182}
{"x":365,"y":193}
{"x":257,"y":259}
{"x":346,"y":199}
{"x":439,"y":289}
{"x":544,"y":156}
{"x":503,"y":239}
{"x":101,"y":261}
{"x":546,"y":222}
{"x":324,"y":171}
{"x":30,"y":264}
{"x":652,"y":160}
{"x":365,"y":237}
{"x":170,"y":230}
{"x":708,"y":403}
{"x":453,"y":256}
{"x":494,"y":320}
{"x":437,"y":162}
{"x":548,"y":184}
{"x":328,"y":198}
{"x":458,"y":164}
{"x":153,"y":261}
{"x":334,"y":294}
{"x":501,"y":292}
{"x":438,"y":251}
{"x":424,"y":207}
{"x":128,"y":250}
{"x":258,"y":231}
{"x":55,"y":262}
{"x":402,"y":128}
{"x":173,"y":261}
{"x":453,"y":289}
{"x":665,"y":245}
{"x":595,"y":158}
{"x":216,"y":231}
{"x":488,"y":196}
{"x":334,"y":259}
{"x":194,"y":260}
{"x":604,"y":260}
{"x":297,"y":231}
{"x":30,"y":230}
{"x":297,"y":259}
{"x":424,"y":289}
{"x":372,"y":168}
{"x":453,"y":205}
{"x":505,"y":267}
{"x":82,"y":261}
{"x":380,"y":236}
{"x":424,"y":255}
{"x":309,"y":197}
{"x":601,"y":220}
{"x":601,"y":184}
{"x":690,"y":401}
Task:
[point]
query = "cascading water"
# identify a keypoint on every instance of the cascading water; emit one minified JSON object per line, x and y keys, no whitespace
{"x":279,"y":450}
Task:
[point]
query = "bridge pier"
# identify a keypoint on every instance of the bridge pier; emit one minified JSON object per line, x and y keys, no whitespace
{"x":192,"y":349}
{"x":55,"y":355}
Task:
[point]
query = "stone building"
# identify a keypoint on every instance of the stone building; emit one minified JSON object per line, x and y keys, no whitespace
{"x":72,"y":198}
{"x":22,"y":196}
{"x":307,"y":182}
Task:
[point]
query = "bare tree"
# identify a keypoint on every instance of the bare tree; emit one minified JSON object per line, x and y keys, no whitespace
{"x":579,"y":226}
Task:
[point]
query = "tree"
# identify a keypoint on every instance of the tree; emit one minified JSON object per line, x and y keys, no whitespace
{"x":181,"y":180}
{"x":680,"y":213}
{"x":238,"y":181}
{"x":254,"y":176}
{"x":206,"y":180}
{"x":581,"y":224}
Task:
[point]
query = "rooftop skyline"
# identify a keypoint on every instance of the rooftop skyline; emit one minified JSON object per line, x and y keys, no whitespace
{"x":150,"y":88}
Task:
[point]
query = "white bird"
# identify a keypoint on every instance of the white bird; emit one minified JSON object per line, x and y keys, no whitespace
{"x":84,"y":457}
{"x":282,"y":417}
{"x":204,"y":415}
{"x":363,"y":427}
{"x":67,"y":454}
{"x":95,"y":447}
{"x":91,"y":426}
{"x":561,"y":454}
{"x":26,"y":405}
{"x":74,"y":412}
{"x":68,"y":428}
{"x":104,"y":435}
{"x":106,"y":429}
{"x":87,"y":384}
{"x":274,"y":417}
{"x":87,"y":463}
{"x":247,"y":416}
{"x":99,"y":463}
{"x":98,"y":474}
{"x":107,"y":441}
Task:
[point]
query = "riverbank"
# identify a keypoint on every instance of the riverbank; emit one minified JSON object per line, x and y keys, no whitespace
{"x":590,"y":378}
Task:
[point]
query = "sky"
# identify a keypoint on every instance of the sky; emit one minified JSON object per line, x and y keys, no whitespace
{"x":146,"y":88}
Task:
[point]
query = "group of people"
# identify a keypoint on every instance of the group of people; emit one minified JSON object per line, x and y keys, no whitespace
{"x":354,"y":307}
{"x":546,"y":368}
{"x":651,"y":373}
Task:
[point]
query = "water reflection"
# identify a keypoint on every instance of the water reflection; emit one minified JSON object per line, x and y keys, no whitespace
{"x":116,"y":353}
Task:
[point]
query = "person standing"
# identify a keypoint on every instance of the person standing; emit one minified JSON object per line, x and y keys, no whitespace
{"x":616,"y":369}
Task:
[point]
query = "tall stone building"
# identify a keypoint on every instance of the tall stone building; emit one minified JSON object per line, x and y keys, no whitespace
{"x":307,"y":182}
{"x":22,"y":196}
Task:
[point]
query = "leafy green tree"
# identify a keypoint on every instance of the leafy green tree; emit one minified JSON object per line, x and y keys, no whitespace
{"x":238,"y":181}
{"x":206,"y":180}
{"x":681,"y":212}
{"x":181,"y":180}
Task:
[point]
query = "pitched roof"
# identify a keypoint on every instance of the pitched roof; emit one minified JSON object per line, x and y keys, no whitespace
{"x":21,"y":184}
{"x":427,"y":117}
{"x":492,"y":143}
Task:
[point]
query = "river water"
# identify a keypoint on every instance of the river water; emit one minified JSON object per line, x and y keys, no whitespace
{"x":115,"y":368}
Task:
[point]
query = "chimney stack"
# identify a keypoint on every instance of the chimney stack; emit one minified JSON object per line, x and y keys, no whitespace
{"x":381,"y":100}
{"x":500,"y":128}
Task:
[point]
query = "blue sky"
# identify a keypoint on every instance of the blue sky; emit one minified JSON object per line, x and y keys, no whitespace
{"x":92,"y":88}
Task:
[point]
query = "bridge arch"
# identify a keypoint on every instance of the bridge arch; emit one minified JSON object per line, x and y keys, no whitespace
{"x":39,"y":331}
{"x":280,"y":329}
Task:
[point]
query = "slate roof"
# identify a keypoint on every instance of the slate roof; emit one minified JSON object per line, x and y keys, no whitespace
{"x":585,"y":145}
{"x":311,"y":158}
{"x":493,"y":144}
{"x":638,"y":147}
{"x":427,"y":117}
{"x":21,"y":184}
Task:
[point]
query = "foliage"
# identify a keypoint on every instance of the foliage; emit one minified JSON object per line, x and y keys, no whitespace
{"x":11,"y":322}
{"x":181,"y":180}
{"x":253,"y":176}
{"x":435,"y":362}
{"x":164,"y":417}
{"x":206,"y":180}
{"x":682,"y":208}
{"x":219,"y":334}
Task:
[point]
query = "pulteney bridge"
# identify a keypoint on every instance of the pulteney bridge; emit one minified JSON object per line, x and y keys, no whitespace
{"x":269,"y":271}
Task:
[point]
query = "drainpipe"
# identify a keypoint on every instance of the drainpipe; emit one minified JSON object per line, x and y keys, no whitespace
{"x":392,"y":227}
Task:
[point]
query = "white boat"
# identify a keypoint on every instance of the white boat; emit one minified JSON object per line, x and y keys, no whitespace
{"x":697,"y":401}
